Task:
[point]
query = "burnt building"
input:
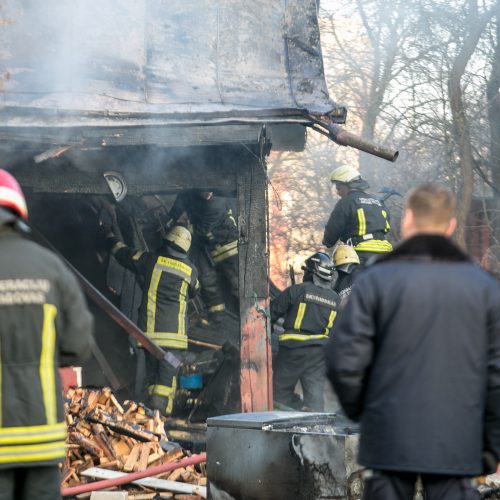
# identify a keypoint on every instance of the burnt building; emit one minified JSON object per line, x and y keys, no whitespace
{"x":131,"y":102}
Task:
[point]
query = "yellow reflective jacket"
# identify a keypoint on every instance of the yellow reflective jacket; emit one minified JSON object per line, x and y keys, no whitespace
{"x":168,"y":281}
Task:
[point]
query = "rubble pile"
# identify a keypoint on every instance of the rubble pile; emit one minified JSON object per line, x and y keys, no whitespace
{"x":105,"y":436}
{"x":491,"y":487}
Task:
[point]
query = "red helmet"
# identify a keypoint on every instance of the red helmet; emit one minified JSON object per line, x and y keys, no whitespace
{"x":11,"y":194}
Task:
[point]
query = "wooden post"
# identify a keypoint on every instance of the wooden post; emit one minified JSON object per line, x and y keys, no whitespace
{"x":256,"y":357}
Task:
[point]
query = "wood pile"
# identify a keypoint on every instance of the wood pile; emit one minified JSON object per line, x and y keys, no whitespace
{"x":103,"y":433}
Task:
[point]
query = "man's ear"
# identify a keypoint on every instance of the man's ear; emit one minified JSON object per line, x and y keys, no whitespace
{"x":451,"y":227}
{"x":406,"y":223}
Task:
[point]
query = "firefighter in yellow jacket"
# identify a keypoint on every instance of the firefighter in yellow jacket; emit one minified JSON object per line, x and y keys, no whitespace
{"x":44,"y":324}
{"x":168,"y":279}
{"x":359,"y":218}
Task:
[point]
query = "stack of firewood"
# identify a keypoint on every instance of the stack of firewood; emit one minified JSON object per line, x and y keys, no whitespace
{"x":104,"y":434}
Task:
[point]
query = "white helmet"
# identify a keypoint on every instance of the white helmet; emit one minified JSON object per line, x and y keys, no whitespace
{"x":180,"y":237}
{"x":345,"y":174}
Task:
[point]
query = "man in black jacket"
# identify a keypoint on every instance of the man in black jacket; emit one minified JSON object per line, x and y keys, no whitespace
{"x":358,"y":218}
{"x":309,"y":310}
{"x":44,"y":324}
{"x":168,"y":279}
{"x":416,"y":359}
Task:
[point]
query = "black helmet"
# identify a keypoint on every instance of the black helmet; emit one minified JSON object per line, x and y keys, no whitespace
{"x":319,"y":264}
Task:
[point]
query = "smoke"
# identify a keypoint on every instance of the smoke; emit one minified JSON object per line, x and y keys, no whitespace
{"x":65,"y":54}
{"x":160,"y":57}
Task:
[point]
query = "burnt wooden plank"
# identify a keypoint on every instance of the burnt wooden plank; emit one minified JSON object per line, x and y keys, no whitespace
{"x":145,"y":170}
{"x":255,"y":350}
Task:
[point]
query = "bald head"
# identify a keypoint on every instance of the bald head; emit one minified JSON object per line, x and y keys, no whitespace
{"x":429,"y":209}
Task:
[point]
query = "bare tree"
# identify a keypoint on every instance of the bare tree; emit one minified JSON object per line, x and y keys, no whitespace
{"x":423,"y":76}
{"x":475,"y":28}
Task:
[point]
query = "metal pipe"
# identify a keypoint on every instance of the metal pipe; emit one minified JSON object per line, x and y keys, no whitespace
{"x":345,"y":138}
{"x":152,"y":471}
{"x":340,"y":136}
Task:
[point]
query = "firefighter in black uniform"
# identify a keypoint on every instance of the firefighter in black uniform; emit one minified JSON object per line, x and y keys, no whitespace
{"x":309,"y":310}
{"x":168,"y":280}
{"x":44,"y":324}
{"x":359,"y":218}
{"x":215,"y":244}
{"x":346,"y":263}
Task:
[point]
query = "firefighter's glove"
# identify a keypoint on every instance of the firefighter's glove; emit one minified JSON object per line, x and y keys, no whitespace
{"x":169,"y":223}
{"x":106,"y":224}
{"x":276,"y":330}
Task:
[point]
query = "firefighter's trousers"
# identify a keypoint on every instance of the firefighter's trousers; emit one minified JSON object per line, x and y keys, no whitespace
{"x":229,"y":271}
{"x":30,"y":483}
{"x":161,"y":382}
{"x":306,"y":364}
{"x":401,"y":486}
{"x":211,"y":290}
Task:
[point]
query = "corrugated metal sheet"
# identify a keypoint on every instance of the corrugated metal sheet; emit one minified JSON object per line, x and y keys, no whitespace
{"x":113,"y":62}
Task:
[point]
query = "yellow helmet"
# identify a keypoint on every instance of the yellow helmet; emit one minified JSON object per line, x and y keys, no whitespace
{"x":345,"y":174}
{"x":180,"y":237}
{"x":345,"y":254}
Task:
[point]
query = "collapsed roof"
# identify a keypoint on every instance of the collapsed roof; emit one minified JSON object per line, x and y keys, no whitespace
{"x":134,"y":63}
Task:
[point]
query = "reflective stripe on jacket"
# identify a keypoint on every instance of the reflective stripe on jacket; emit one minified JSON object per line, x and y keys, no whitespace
{"x":223,"y":252}
{"x":309,"y":312}
{"x":44,"y":324}
{"x":169,"y":282}
{"x":361,"y":219}
{"x":379,"y":246}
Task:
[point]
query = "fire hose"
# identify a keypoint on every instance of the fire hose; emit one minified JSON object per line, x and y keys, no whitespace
{"x":152,"y":471}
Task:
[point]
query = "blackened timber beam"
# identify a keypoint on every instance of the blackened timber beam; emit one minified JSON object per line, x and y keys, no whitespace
{"x":145,"y":170}
{"x":255,"y":350}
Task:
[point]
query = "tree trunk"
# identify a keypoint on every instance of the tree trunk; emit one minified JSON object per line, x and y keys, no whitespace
{"x":459,"y":120}
{"x":493,"y":96}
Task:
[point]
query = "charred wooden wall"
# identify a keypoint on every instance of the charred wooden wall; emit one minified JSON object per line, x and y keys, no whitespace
{"x":58,"y":191}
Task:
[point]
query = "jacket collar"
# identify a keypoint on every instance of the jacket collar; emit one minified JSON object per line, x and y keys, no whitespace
{"x":321,"y":282}
{"x":7,"y":218}
{"x":429,"y":247}
{"x":176,"y":254}
{"x":358,"y":185}
{"x":11,"y":223}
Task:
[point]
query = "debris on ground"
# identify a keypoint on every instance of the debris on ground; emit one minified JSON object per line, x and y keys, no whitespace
{"x":491,"y":487}
{"x":107,"y":440}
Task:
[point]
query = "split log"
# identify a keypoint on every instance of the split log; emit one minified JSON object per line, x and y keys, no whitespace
{"x":132,"y":458}
{"x":102,"y":441}
{"x":117,"y":404}
{"x":85,"y":443}
{"x":119,"y":438}
{"x":142,"y":464}
{"x":124,"y":428}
